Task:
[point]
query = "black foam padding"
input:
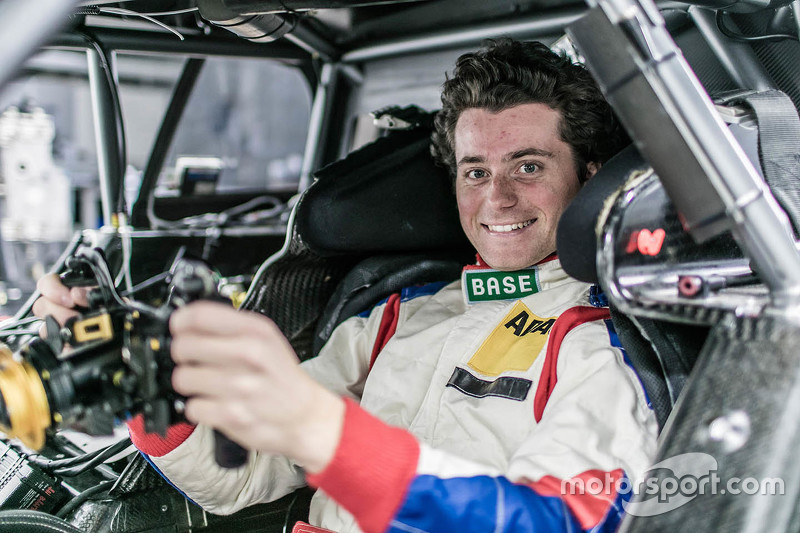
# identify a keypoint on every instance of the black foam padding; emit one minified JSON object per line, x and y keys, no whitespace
{"x":575,"y":239}
{"x":387,"y":197}
{"x":375,"y":278}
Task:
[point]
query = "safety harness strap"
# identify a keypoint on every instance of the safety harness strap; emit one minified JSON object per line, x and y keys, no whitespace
{"x":778,"y":147}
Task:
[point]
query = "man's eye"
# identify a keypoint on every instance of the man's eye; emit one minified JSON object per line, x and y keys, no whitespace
{"x":476,"y":174}
{"x":528,"y":168}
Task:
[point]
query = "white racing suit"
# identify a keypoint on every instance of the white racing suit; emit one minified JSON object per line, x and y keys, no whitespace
{"x":502,"y":415}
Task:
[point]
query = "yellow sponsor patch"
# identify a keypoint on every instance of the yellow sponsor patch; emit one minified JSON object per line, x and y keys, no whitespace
{"x":514,"y":344}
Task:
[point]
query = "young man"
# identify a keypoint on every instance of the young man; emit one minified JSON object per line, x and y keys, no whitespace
{"x":492,"y":403}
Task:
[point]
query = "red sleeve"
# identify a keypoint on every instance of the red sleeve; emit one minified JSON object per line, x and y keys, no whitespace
{"x":371,"y":470}
{"x":154,"y":444}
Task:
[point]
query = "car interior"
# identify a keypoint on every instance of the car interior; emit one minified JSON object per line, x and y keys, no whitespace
{"x":341,"y":205}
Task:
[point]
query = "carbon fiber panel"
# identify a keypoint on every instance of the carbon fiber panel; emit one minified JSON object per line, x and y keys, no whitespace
{"x":781,"y":58}
{"x":293,"y":292}
{"x":734,"y":433}
{"x":703,"y":62}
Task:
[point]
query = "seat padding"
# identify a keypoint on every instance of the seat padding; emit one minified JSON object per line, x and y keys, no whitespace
{"x":374,"y":278}
{"x":388,"y":197}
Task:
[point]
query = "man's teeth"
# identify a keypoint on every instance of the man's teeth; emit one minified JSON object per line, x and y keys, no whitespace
{"x":510,"y":227}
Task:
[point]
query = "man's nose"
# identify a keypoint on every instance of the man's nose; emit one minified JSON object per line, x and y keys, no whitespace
{"x":502,"y":192}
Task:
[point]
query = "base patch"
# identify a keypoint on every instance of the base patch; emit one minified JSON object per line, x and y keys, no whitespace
{"x":484,"y":285}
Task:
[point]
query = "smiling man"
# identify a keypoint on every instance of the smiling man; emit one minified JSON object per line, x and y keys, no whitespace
{"x":515,"y":176}
{"x":479,"y":405}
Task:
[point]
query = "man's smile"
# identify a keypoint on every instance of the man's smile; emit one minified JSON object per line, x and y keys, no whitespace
{"x":505,"y":228}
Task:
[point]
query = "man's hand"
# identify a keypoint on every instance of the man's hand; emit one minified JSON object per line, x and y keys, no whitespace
{"x":57,"y":299}
{"x":243,"y":378}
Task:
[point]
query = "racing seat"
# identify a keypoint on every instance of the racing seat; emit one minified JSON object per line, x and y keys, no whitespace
{"x":664,"y":333}
{"x":379,"y":220}
{"x":662,"y":352}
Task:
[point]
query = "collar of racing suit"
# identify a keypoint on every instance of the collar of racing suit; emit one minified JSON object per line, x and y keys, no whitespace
{"x":481,"y":283}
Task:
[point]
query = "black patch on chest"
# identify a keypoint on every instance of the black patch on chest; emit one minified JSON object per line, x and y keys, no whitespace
{"x":503,"y":387}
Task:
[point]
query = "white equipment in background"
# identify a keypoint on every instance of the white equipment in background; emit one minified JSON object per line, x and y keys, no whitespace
{"x":36,"y":218}
{"x":38,"y":204}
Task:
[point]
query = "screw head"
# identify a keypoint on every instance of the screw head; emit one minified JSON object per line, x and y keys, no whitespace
{"x":732,"y":430}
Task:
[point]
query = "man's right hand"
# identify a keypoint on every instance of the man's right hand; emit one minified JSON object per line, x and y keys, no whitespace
{"x":57,"y":299}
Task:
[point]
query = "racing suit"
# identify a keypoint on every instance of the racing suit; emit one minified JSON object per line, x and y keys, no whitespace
{"x":503,"y":414}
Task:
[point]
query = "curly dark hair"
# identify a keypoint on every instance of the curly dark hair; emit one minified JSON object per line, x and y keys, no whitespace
{"x":508,"y":73}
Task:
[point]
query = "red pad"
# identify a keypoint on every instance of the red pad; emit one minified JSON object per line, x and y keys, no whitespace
{"x":302,"y":527}
{"x":388,"y":325}
{"x":569,"y":319}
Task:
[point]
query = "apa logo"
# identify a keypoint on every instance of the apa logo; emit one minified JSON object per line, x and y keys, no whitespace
{"x":521,"y":326}
{"x":510,"y":347}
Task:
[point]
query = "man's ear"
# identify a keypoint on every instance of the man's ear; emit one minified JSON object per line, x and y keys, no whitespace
{"x":592,"y":168}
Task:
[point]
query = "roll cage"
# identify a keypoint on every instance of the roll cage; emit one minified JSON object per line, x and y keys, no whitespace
{"x":737,"y":405}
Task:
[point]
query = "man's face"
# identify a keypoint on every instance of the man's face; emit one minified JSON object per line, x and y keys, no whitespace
{"x":515,"y":176}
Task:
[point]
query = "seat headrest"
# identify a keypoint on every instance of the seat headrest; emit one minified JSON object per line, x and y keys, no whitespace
{"x":387,"y":197}
{"x":575,"y":238}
